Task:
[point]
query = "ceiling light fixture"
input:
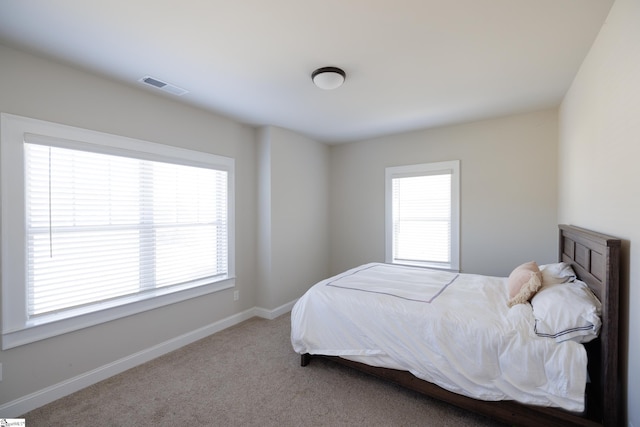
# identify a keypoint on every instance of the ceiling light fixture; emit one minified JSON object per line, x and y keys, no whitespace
{"x":328,"y":78}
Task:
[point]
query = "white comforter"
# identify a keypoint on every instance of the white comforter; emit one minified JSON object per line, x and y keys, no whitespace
{"x":454,"y":330}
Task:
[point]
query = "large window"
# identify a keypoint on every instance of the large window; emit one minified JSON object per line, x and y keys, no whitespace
{"x":422,"y":214}
{"x":96,"y":226}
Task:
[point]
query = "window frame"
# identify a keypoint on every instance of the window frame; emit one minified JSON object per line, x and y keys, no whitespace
{"x":17,"y":328}
{"x":451,"y":167}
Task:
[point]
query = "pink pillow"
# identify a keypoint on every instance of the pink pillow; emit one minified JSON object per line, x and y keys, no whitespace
{"x":524,"y":281}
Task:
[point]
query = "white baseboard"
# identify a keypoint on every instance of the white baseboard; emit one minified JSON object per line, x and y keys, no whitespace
{"x":272,"y":314}
{"x":39,"y":398}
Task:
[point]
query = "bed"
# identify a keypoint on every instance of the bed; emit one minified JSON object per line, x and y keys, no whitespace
{"x":452,"y":336}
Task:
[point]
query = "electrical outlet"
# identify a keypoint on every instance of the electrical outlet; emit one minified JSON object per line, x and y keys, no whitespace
{"x":236,"y":295}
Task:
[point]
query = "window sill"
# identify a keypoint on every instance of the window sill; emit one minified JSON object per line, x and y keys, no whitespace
{"x":54,"y":324}
{"x":431,"y":265}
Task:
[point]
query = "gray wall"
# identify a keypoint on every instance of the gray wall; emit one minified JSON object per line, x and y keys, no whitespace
{"x":508,"y":170}
{"x":293,"y":215}
{"x":599,"y":175}
{"x":35,"y":87}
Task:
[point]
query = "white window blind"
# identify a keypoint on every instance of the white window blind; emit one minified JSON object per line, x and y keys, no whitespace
{"x":422,"y":215}
{"x":422,"y":218}
{"x":96,"y":227}
{"x":102,"y":226}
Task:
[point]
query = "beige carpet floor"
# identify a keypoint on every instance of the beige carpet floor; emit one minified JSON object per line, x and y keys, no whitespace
{"x":247,"y":375}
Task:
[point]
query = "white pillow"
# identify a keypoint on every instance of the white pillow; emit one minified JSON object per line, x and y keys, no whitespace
{"x":567,"y":311}
{"x":560,"y":272}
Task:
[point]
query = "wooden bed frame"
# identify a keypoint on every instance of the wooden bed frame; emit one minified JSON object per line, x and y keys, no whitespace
{"x":595,"y":258}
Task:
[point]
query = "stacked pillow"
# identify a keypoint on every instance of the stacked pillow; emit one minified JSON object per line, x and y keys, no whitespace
{"x":524,"y":281}
{"x":564,"y":308}
{"x":560,"y":272}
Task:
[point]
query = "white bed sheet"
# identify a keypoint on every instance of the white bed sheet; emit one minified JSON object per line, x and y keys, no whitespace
{"x":454,"y":330}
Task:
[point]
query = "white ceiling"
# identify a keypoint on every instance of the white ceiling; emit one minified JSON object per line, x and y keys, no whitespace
{"x":410,"y":63}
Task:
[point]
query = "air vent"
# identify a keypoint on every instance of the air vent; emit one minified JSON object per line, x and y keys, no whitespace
{"x":159,"y":84}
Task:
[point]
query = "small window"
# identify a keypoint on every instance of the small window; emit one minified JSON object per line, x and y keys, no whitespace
{"x":99,"y":226}
{"x":422,"y":215}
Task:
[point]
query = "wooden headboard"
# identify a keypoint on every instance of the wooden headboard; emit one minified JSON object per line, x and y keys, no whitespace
{"x":595,"y":258}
